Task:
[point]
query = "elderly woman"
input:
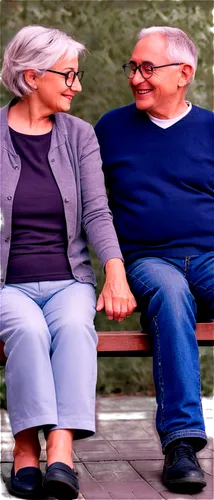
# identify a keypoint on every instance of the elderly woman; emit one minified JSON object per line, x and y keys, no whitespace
{"x":53,"y":200}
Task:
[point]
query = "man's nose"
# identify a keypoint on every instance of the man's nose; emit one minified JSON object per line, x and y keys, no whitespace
{"x":138,"y":77}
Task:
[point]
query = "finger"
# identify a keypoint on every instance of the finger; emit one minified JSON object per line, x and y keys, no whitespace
{"x":109,"y":308}
{"x":131,"y":306}
{"x":116,"y":308}
{"x":123,"y":310}
{"x":100,"y":303}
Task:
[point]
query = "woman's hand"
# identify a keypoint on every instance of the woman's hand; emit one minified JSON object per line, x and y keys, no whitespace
{"x":116,"y":297}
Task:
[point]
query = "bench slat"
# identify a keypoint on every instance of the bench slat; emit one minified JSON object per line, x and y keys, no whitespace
{"x":135,"y":343}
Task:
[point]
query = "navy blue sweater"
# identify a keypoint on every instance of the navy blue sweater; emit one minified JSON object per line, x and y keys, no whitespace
{"x":160,"y":182}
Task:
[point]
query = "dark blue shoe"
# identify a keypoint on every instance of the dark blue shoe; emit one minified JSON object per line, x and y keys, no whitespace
{"x":26,"y":483}
{"x":60,"y":481}
{"x":182,"y":472}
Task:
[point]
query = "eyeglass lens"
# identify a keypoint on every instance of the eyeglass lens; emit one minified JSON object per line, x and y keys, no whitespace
{"x":71,"y":77}
{"x":146,"y":70}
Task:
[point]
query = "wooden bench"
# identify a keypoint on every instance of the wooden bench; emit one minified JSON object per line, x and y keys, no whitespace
{"x":135,"y":343}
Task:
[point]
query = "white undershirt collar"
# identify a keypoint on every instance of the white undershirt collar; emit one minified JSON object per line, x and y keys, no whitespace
{"x":170,"y":121}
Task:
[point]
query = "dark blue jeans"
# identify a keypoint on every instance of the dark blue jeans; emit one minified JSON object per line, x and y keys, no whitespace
{"x":171,"y":294}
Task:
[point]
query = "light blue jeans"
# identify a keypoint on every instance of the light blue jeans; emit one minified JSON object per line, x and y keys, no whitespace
{"x":171,"y":294}
{"x":50,"y":344}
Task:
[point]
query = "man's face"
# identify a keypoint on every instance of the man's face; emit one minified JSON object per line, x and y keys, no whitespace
{"x":161,"y":90}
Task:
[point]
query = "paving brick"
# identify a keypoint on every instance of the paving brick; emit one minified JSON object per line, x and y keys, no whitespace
{"x":207,"y":465}
{"x":149,"y":424}
{"x":86,"y":445}
{"x":210,"y":483}
{"x":6,"y":445}
{"x":128,"y":475}
{"x":147,"y":465}
{"x":4,"y":435}
{"x":96,"y":437}
{"x":168,"y":495}
{"x":83,"y":473}
{"x":122,"y":496}
{"x":153,"y":478}
{"x":106,"y":476}
{"x":112,"y":471}
{"x":210,"y":443}
{"x":129,"y":486}
{"x":93,"y":491}
{"x":6,"y":456}
{"x":205,"y":453}
{"x":149,"y":427}
{"x":204,"y":495}
{"x":96,"y":450}
{"x":120,"y":430}
{"x":144,"y":444}
{"x":141,"y":454}
{"x":145,"y":496}
{"x":125,"y":404}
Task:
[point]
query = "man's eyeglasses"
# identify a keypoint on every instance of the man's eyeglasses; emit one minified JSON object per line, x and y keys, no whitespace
{"x":69,"y":76}
{"x":145,"y":69}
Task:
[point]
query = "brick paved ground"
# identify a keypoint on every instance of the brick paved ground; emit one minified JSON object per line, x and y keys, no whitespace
{"x":124,"y":460}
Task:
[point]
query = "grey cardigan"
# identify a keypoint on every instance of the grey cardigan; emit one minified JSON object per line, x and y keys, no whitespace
{"x":75,"y":161}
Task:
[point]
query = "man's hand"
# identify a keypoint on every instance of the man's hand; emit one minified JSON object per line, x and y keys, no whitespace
{"x":116,"y":297}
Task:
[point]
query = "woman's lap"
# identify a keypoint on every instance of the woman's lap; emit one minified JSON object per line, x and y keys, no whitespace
{"x":50,"y":342}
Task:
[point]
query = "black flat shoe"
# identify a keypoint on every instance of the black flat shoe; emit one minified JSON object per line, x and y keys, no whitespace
{"x":60,"y":481}
{"x":182,"y":472}
{"x":26,"y":483}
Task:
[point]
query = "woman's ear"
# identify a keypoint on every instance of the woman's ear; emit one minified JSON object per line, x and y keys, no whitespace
{"x":31,"y":77}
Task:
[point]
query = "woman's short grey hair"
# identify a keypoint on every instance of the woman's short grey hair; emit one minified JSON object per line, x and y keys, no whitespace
{"x":180,"y":48}
{"x":35,"y":47}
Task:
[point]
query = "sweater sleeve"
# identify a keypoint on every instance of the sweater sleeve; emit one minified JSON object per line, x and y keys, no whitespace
{"x":97,"y":218}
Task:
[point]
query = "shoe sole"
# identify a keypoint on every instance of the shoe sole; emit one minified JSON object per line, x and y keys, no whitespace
{"x":60,"y":489}
{"x":190,"y":484}
{"x":33,"y":496}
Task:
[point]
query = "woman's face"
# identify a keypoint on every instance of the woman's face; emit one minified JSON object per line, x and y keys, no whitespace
{"x":53,"y":93}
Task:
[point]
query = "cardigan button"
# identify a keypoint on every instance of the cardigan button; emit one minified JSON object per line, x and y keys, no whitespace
{"x":66,"y":200}
{"x":7,"y":239}
{"x":9,"y":198}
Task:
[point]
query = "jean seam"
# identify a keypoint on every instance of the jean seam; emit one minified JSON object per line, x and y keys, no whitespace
{"x":187,"y":261}
{"x":199,"y":390}
{"x":197,"y":286}
{"x":160,"y":374}
{"x":131,"y":277}
{"x":183,"y":433}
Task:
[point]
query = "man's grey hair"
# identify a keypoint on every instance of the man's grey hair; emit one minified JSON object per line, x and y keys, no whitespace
{"x":35,"y":47}
{"x":180,"y":47}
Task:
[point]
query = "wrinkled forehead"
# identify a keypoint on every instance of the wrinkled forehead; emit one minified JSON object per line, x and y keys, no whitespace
{"x":152,"y":48}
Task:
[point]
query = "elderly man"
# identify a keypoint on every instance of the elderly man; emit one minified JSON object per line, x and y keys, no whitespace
{"x":158,"y":163}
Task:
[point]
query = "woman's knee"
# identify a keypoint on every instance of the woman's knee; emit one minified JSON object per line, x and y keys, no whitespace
{"x":30,"y":335}
{"x":76,"y":330}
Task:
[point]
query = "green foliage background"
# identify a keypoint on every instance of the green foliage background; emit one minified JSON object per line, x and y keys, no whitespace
{"x":108,"y":28}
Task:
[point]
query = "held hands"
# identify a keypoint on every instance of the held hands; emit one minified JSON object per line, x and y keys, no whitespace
{"x":116,"y":297}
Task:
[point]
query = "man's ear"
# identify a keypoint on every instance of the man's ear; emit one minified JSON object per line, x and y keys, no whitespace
{"x":185,"y":75}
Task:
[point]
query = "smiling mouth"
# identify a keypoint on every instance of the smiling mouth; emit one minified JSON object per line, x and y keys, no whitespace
{"x":143,"y":92}
{"x":69,"y":97}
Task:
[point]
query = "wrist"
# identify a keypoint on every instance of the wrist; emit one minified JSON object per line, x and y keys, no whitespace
{"x":114,"y":266}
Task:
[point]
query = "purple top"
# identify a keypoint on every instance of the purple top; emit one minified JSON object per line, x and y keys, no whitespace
{"x":39,"y":239}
